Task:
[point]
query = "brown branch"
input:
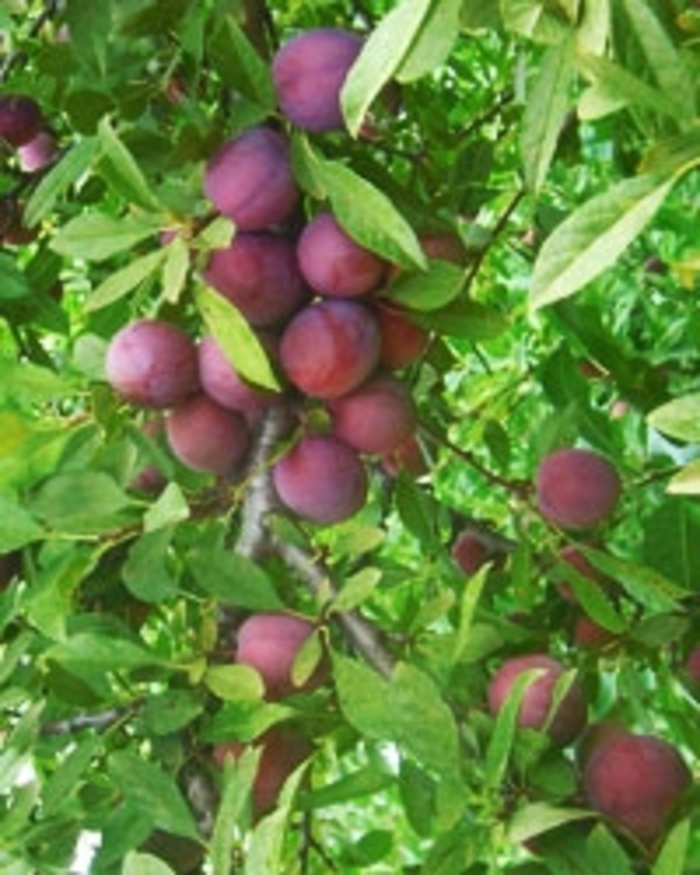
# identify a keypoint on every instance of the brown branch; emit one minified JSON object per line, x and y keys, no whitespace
{"x":99,"y":721}
{"x":495,"y":234}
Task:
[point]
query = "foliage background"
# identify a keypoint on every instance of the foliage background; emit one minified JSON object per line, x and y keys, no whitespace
{"x":507,"y":121}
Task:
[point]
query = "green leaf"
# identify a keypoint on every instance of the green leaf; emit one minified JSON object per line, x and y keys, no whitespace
{"x":175,"y":269}
{"x":679,"y":418}
{"x":96,"y":236}
{"x":125,"y":280}
{"x":236,"y":338}
{"x":416,"y":508}
{"x":363,"y":698}
{"x":146,"y":572}
{"x":673,"y":854}
{"x":369,"y":217}
{"x":382,"y":55}
{"x":90,"y":28}
{"x":169,"y":712}
{"x":356,"y":589}
{"x":13,"y":282}
{"x":470,"y":599}
{"x":19,"y":527}
{"x":72,"y":166}
{"x":28,"y":383}
{"x":434,"y":41}
{"x":432,"y":289}
{"x":66,"y":780}
{"x":644,"y":585}
{"x":233,"y":579}
{"x":79,"y":502}
{"x":607,"y":852}
{"x":238,"y":780}
{"x":593,"y":237}
{"x":119,"y":169}
{"x":463,"y":318}
{"x":146,"y":786}
{"x":137,"y":863}
{"x":593,"y":598}
{"x":545,"y":111}
{"x":102,"y":653}
{"x":666,"y":62}
{"x":537,"y":817}
{"x":234,"y":683}
{"x":240,"y":66}
{"x":364,"y":782}
{"x":672,"y":541}
{"x":686,"y":481}
{"x":614,"y":88}
{"x":533,"y":19}
{"x":169,"y":508}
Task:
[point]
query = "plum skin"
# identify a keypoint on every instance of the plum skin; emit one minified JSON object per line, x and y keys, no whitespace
{"x":269,"y":643}
{"x":408,"y":457}
{"x":223,"y":384}
{"x":570,"y":717}
{"x":206,"y":437}
{"x":576,"y":488}
{"x":249,"y":180}
{"x":308,"y":73}
{"x":469,"y":552}
{"x":333,"y":263}
{"x":283,"y":749}
{"x":402,"y":341}
{"x":152,"y":364}
{"x":321,"y":479}
{"x":330,"y":347}
{"x":259,"y":275}
{"x":636,"y":781}
{"x":375,"y":418}
{"x":20,"y":119}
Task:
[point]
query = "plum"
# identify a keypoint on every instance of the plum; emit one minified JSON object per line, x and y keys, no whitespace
{"x":151,"y":363}
{"x":206,"y":437}
{"x":20,"y":119}
{"x":402,"y":342}
{"x":576,"y":488}
{"x":308,"y":73}
{"x":408,"y":456}
{"x":259,"y":275}
{"x":589,"y":635}
{"x":568,"y":719}
{"x":249,"y":179}
{"x":572,"y":555}
{"x":636,"y":781}
{"x":470,"y":551}
{"x":150,"y":479}
{"x":321,"y":479}
{"x":269,"y":643}
{"x":330,"y":347}
{"x":375,"y":418}
{"x":283,"y":749}
{"x":333,"y":263}
{"x":222,"y":383}
{"x":38,"y":153}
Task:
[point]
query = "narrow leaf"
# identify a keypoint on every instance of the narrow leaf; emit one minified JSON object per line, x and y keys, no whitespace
{"x":235,"y":337}
{"x":125,"y":280}
{"x":679,"y":418}
{"x":434,"y":41}
{"x":119,"y":169}
{"x":96,"y":236}
{"x":545,"y":113}
{"x":428,"y":290}
{"x":58,"y":180}
{"x":381,"y":56}
{"x":673,"y":855}
{"x":593,"y":237}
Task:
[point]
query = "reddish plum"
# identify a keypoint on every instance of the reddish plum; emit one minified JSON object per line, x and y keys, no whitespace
{"x":259,"y":275}
{"x":333,"y":263}
{"x":470,"y":552}
{"x":321,"y":479}
{"x":308,"y":74}
{"x":38,"y":153}
{"x":576,"y":489}
{"x":20,"y":119}
{"x":152,"y":364}
{"x":402,"y":341}
{"x":249,"y":179}
{"x":330,"y":347}
{"x":568,"y":719}
{"x":206,"y":437}
{"x":375,"y":418}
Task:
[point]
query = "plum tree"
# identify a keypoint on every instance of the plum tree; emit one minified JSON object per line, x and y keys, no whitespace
{"x":576,"y":488}
{"x":223,"y":384}
{"x":563,"y":723}
{"x":321,"y":479}
{"x":402,"y":341}
{"x":333,"y":263}
{"x":308,"y":73}
{"x":636,"y":781}
{"x":259,"y":275}
{"x":20,"y":119}
{"x":283,"y":749}
{"x":249,"y":179}
{"x":470,"y":551}
{"x":329,"y":348}
{"x":151,"y":363}
{"x":375,"y":418}
{"x":207,"y":437}
{"x":269,"y":643}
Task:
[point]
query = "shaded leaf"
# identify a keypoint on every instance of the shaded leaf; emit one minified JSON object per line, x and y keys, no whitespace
{"x":120,"y":171}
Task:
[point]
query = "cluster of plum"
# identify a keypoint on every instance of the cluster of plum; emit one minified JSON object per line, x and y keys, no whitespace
{"x":24,"y":133}
{"x":313,"y":300}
